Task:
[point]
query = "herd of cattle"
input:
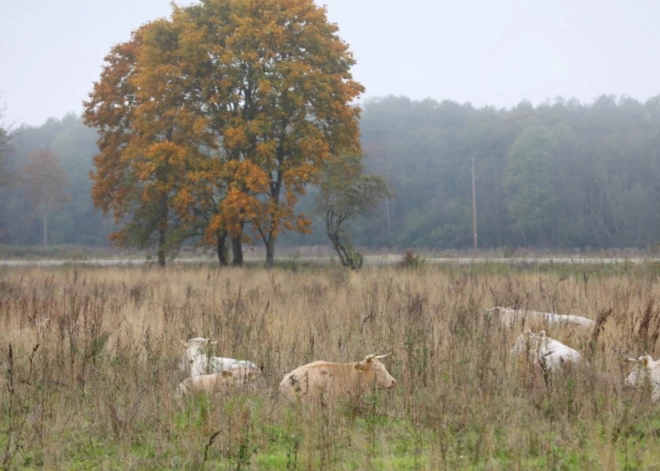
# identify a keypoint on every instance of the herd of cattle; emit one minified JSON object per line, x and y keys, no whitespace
{"x":306,"y":383}
{"x":310,"y":382}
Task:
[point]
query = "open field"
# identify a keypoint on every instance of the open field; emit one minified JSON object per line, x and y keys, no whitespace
{"x":369,"y":260}
{"x":98,"y":391}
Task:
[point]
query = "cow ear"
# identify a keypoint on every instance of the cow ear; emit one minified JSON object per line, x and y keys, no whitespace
{"x":645,"y":361}
{"x":227,"y":374}
{"x":361,"y":366}
{"x":215,"y":342}
{"x":185,"y":344}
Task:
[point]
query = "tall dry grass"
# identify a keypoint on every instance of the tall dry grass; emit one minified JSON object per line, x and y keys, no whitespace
{"x":90,"y":357}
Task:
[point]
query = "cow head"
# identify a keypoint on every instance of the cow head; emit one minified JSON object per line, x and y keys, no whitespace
{"x":194,"y":348}
{"x":644,"y":364}
{"x":373,"y":370}
{"x":197,"y":345}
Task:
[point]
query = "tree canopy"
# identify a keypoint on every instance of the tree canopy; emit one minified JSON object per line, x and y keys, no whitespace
{"x":218,"y":118}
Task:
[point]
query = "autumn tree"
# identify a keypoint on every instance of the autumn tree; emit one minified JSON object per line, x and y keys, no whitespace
{"x":272,"y":83}
{"x":144,"y":148}
{"x":46,"y":185}
{"x":346,"y":193}
{"x":208,"y":179}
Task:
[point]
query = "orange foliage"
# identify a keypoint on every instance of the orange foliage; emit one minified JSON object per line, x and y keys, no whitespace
{"x":229,"y":108}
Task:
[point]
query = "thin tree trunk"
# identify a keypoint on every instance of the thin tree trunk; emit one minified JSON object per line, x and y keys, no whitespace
{"x":45,"y":225}
{"x":270,"y":251}
{"x":276,"y":187}
{"x":237,"y":250}
{"x":474,"y":209}
{"x":162,"y":232}
{"x":162,"y":252}
{"x":221,"y":248}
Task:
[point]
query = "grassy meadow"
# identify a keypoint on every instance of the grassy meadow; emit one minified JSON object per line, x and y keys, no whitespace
{"x":92,"y":387}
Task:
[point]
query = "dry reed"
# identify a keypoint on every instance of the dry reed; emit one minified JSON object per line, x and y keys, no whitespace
{"x":89,"y":360}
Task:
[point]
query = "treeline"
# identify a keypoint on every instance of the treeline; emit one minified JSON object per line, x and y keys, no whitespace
{"x":563,"y":174}
{"x":559,"y":175}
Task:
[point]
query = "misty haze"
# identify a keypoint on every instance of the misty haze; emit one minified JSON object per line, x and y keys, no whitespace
{"x":556,"y":103}
{"x":361,"y":235}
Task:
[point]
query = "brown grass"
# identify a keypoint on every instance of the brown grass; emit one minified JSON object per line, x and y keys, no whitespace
{"x":99,"y":389}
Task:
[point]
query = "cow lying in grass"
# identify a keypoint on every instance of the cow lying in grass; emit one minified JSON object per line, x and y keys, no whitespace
{"x":218,"y":383}
{"x":647,"y":370}
{"x":322,"y":379}
{"x":510,"y":317}
{"x":549,"y":353}
{"x":195,"y":360}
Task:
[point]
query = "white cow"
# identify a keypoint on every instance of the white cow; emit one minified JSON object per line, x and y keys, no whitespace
{"x":219,"y":382}
{"x":550,"y":353}
{"x":509,"y":316}
{"x":195,"y":360}
{"x":647,"y":370}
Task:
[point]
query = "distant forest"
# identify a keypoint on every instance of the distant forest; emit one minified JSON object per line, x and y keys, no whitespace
{"x":560,"y":175}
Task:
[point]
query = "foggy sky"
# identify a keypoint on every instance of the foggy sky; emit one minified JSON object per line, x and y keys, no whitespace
{"x":478,"y":51}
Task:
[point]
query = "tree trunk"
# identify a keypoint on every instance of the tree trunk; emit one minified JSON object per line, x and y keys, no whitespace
{"x":276,"y":187}
{"x":162,"y":252}
{"x":237,"y":251}
{"x":45,"y":225}
{"x":162,"y":232}
{"x":270,"y":251}
{"x":221,"y":248}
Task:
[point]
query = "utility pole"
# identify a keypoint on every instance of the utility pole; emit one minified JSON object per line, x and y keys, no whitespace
{"x":474,"y":209}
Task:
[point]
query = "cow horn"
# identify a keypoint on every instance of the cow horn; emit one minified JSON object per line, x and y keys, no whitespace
{"x":382,"y":356}
{"x":633,"y":359}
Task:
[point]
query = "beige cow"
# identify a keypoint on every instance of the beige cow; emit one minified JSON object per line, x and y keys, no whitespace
{"x":220,"y":382}
{"x":321,"y":379}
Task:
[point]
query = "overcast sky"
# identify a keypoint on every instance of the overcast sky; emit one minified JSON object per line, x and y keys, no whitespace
{"x":495,"y":52}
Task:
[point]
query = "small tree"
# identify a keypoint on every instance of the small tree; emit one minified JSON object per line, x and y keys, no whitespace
{"x":46,"y":185}
{"x":345,"y":194}
{"x":5,"y":173}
